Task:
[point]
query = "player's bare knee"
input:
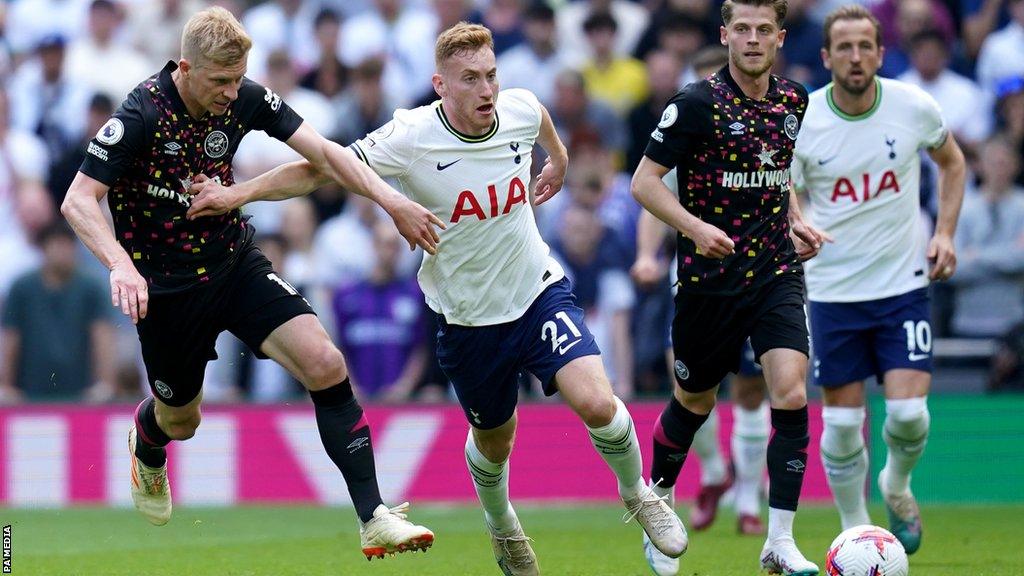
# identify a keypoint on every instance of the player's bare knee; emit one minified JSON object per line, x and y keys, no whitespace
{"x":697,"y":402}
{"x":791,"y":398}
{"x":324,"y":367}
{"x":182,"y":427}
{"x":495,"y":448}
{"x":597,"y":411}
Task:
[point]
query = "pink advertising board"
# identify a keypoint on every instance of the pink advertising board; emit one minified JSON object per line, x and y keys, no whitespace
{"x":65,"y":455}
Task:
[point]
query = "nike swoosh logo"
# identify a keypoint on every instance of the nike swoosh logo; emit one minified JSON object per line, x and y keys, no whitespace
{"x":827,"y":160}
{"x":443,"y":166}
{"x":566,"y":348}
{"x":915,"y":357}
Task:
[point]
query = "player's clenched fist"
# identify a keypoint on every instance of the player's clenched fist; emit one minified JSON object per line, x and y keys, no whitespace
{"x":416,"y":224}
{"x":712,"y":242}
{"x":209,"y":198}
{"x":128,"y":289}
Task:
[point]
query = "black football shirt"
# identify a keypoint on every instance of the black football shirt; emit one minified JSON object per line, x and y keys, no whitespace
{"x":149,"y":152}
{"x":733,"y":157}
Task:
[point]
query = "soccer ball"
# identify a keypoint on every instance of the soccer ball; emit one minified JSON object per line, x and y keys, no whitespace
{"x":866,"y":551}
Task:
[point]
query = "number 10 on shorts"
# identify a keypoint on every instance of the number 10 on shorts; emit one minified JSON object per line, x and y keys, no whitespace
{"x":919,"y":339}
{"x":549,"y":331}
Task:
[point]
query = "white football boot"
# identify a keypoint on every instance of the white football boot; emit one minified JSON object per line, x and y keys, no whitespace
{"x":151,"y":492}
{"x":661,"y":564}
{"x":659,"y":521}
{"x":388,"y":532}
{"x":513,"y":552}
{"x":781,"y":556}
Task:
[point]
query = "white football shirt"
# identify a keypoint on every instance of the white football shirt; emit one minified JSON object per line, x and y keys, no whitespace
{"x":862,"y":174}
{"x":491,"y":263}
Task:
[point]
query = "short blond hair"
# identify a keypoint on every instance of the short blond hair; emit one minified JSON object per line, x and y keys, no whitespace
{"x":214,"y":35}
{"x":460,"y":38}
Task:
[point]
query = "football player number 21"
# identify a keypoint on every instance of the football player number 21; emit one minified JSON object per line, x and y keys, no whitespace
{"x":549,"y":331}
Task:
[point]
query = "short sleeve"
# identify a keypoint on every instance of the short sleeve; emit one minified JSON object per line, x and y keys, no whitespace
{"x":390,"y":149}
{"x":931,"y":125}
{"x":117,"y":144}
{"x":267,"y":111}
{"x":679,"y":130}
{"x":523,"y":104}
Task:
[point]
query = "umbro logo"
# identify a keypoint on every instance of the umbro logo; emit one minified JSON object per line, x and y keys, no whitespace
{"x":677,"y":457}
{"x":796,"y":466}
{"x":737,"y":128}
{"x":443,"y":166}
{"x":172,"y":148}
{"x":357,"y":444}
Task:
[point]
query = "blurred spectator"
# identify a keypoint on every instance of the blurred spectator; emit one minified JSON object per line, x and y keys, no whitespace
{"x":381,"y":326}
{"x":343,"y":250}
{"x":505,"y":20}
{"x":901,"y":20}
{"x":1000,"y":56}
{"x":259,"y":153}
{"x":965,"y":107}
{"x":45,"y":101}
{"x":328,"y":76}
{"x":65,"y":167}
{"x":1010,"y":114}
{"x":681,"y":36}
{"x":282,"y":25}
{"x":298,"y":228}
{"x":680,"y":26}
{"x":155,"y":27}
{"x":403,"y":37}
{"x":575,"y":113}
{"x":989,"y":279}
{"x":28,"y":21}
{"x":365,"y":106}
{"x":1007,"y":370}
{"x":980,"y":18}
{"x":800,"y":56}
{"x":535,"y":63}
{"x":596,"y":263}
{"x":619,"y":81}
{"x":57,"y":333}
{"x":99,"y":61}
{"x":451,"y":12}
{"x":25,"y":205}
{"x":632,"y":20}
{"x":662,"y":72}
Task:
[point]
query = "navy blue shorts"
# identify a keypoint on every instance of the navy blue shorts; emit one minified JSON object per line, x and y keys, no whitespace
{"x":855,"y":340}
{"x":483,"y":362}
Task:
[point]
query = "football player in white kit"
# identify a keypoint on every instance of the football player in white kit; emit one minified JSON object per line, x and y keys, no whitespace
{"x":857,"y":158}
{"x":503,"y":304}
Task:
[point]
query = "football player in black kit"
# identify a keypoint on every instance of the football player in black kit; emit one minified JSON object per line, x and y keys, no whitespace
{"x":185,"y":279}
{"x":731,"y":139}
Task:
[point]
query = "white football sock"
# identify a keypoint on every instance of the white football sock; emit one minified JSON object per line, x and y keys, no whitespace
{"x":780,"y":524}
{"x":616,"y":442}
{"x":905,"y":433}
{"x":750,"y":455}
{"x":846,"y":462}
{"x":491,"y":483}
{"x":706,"y":446}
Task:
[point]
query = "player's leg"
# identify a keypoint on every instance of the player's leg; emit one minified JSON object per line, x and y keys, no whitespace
{"x":844,"y":342}
{"x":482,"y":365}
{"x":749,"y":442}
{"x":275,"y":322}
{"x":561,"y":352}
{"x":904,"y":350}
{"x":843,"y":453}
{"x":779,"y":339}
{"x":177,"y":337}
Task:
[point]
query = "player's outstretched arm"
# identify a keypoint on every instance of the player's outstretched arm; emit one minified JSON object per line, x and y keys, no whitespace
{"x":650,"y":191}
{"x":952,"y":174}
{"x":552,"y":176}
{"x":128,"y":289}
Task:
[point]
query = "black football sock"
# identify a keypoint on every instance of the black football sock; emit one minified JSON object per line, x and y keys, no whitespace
{"x":150,"y":439}
{"x":346,"y":437}
{"x":787,"y":457}
{"x":673,"y":434}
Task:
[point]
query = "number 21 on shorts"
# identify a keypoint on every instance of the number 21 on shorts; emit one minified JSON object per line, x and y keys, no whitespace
{"x":549,"y":331}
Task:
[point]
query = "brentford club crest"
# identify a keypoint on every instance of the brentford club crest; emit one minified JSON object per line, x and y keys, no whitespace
{"x":216,"y":144}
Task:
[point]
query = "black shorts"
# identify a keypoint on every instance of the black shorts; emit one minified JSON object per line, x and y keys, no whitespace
{"x":180,"y":328}
{"x":708,"y":331}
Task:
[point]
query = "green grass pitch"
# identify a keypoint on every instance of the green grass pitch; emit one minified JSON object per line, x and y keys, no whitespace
{"x":303,"y":541}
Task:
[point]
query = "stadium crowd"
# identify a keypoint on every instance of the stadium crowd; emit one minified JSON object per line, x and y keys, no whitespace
{"x":604,"y":68}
